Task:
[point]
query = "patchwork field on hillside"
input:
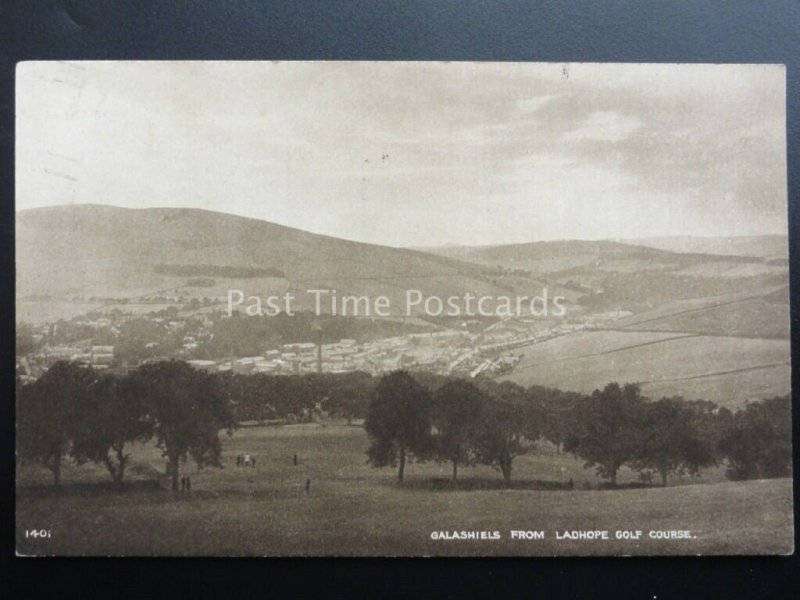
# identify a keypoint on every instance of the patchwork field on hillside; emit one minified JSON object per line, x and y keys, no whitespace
{"x":726,"y":370}
{"x":738,"y":315}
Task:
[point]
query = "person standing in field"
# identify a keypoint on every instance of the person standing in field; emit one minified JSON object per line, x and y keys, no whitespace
{"x":308,"y":486}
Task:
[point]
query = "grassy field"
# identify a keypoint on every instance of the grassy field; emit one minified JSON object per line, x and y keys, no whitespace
{"x":725,"y":370}
{"x":353,"y":509}
{"x":751,"y":318}
{"x":43,"y":311}
{"x":703,"y":302}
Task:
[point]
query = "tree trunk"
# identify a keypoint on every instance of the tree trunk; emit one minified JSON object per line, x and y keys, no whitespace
{"x":402,"y":466}
{"x":455,"y":470}
{"x":57,"y":469}
{"x":174,"y":468}
{"x":664,"y":477}
{"x":110,"y":467}
{"x":121,"y":460}
{"x":505,"y":468}
{"x":614,"y":476}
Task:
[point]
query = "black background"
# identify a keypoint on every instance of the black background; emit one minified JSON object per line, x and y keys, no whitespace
{"x":711,"y":31}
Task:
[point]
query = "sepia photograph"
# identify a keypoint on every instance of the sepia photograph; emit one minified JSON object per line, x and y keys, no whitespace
{"x":290,"y":308}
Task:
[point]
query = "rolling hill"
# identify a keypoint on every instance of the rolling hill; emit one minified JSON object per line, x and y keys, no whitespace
{"x":615,"y":275}
{"x":765,"y":246}
{"x":96,"y":252}
{"x":102,"y":251}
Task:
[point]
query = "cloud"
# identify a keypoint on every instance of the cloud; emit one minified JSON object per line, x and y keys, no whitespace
{"x":475,"y":150}
{"x":604,"y":126}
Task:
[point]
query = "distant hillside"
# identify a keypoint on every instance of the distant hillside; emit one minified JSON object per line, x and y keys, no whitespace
{"x":104,"y":251}
{"x":92,"y":252}
{"x":765,"y":246}
{"x":623,"y":275}
{"x":550,"y":257}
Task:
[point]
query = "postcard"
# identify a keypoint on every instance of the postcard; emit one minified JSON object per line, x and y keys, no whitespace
{"x":401,"y":309}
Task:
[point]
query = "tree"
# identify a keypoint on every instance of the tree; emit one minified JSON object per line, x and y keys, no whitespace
{"x":758,"y":442}
{"x":27,"y":342}
{"x":456,"y":415}
{"x":508,"y":426}
{"x":47,"y":411}
{"x":671,"y":439}
{"x":250,"y":396}
{"x":112,"y":415}
{"x":298,"y":394}
{"x":189,"y":409}
{"x":608,"y":429}
{"x":140,"y":339}
{"x":398,"y":422}
{"x":558,"y":410}
{"x":349,"y":395}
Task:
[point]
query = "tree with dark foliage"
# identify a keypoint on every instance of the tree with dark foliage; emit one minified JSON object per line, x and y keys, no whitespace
{"x":608,"y":429}
{"x":112,"y":415}
{"x":189,"y":409}
{"x":398,"y":422}
{"x":508,"y":426}
{"x":348,"y":395}
{"x":456,"y":415}
{"x":251,"y":396}
{"x":48,"y":413}
{"x":671,"y":441}
{"x":559,"y":409}
{"x":758,"y":440}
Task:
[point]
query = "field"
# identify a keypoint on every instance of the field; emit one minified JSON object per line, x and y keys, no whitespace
{"x":353,"y":509}
{"x":725,"y":370}
{"x":44,"y":311}
{"x":47,"y":311}
{"x":764,"y":316}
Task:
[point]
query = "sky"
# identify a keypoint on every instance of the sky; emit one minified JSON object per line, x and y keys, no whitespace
{"x":415,"y":154}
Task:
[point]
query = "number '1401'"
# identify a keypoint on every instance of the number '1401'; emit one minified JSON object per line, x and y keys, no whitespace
{"x":37,"y":533}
